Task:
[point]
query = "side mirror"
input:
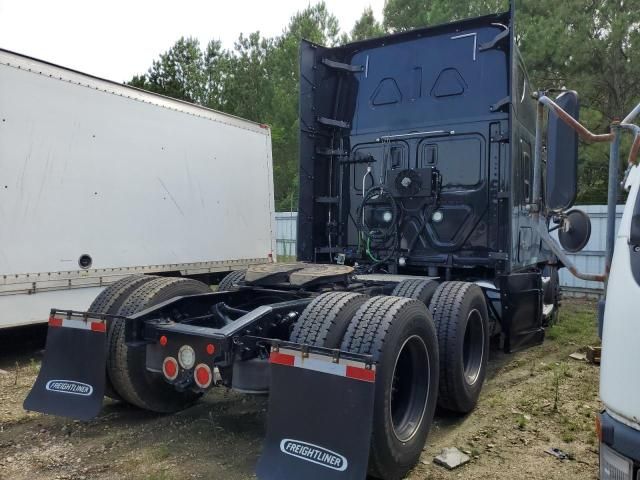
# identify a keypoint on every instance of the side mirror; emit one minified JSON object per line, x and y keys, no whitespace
{"x":562,"y":155}
{"x":575,"y":231}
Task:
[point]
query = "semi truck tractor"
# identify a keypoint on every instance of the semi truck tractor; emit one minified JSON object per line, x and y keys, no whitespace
{"x":100,"y":180}
{"x":431,"y":173}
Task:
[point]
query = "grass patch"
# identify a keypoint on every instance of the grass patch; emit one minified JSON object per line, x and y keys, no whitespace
{"x":577,"y":325}
{"x":161,"y":452}
{"x":522,"y":422}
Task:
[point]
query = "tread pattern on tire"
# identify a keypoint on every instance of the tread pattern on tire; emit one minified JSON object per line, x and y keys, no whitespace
{"x":366,"y":335}
{"x":118,"y":358}
{"x":227,"y":283}
{"x":369,"y":326}
{"x":105,"y":301}
{"x":445,"y":309}
{"x":109,"y":301}
{"x":321,"y":316}
{"x":415,"y":288}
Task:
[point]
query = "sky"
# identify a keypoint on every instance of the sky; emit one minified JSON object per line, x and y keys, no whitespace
{"x":118,"y":38}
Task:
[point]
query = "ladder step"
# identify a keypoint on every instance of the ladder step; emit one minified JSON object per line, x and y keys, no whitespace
{"x":331,"y":122}
{"x":345,"y":67}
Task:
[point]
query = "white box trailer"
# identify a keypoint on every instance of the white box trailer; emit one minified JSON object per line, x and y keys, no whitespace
{"x":99,"y":180}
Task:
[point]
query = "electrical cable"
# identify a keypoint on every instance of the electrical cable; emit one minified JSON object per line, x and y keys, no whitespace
{"x":380,"y":236}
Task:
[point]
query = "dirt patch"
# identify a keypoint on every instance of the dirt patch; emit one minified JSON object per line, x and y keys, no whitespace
{"x":532,"y":401}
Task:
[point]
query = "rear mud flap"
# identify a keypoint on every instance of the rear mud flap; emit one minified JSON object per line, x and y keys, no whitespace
{"x":72,"y":376}
{"x":320,"y":418}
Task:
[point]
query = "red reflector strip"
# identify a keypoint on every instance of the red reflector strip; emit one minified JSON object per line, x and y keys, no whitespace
{"x":99,"y":327}
{"x":324,"y":364}
{"x":94,"y":326}
{"x":55,"y":322}
{"x":282,"y":359}
{"x":358,"y":373}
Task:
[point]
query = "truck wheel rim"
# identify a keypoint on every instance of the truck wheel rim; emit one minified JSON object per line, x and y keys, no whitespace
{"x":409,"y":388}
{"x":473,"y":347}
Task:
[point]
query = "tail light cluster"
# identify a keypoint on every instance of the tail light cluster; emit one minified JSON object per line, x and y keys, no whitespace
{"x":202,"y":374}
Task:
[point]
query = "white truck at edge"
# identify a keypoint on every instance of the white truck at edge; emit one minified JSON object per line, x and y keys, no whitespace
{"x":619,"y":423}
{"x":99,"y":180}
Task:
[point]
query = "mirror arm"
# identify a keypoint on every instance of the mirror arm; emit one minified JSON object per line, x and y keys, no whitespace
{"x":582,"y":131}
{"x":564,"y":258}
{"x":588,"y":136}
{"x":632,"y":115}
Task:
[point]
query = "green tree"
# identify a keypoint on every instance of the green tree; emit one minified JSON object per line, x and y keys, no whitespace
{"x":314,"y":23}
{"x":400,"y":15}
{"x":366,"y":26}
{"x":591,"y":47}
{"x":139,"y":81}
{"x":248,"y":83}
{"x":216,"y":63}
{"x":178,"y":73}
{"x":317,"y":24}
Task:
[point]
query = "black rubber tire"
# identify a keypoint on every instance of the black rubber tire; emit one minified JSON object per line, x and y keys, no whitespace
{"x":418,"y":288}
{"x":126,"y":365}
{"x":228,"y":283}
{"x":109,"y":302}
{"x":453,"y":304}
{"x":325,"y":320}
{"x":381,"y":327}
